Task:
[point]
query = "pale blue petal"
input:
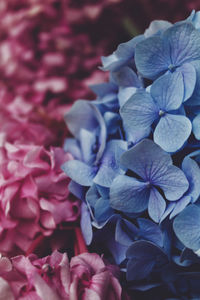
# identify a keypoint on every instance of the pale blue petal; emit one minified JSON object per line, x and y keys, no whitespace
{"x":125,"y":232}
{"x":186,"y":226}
{"x":79,"y":172}
{"x":151,"y":57}
{"x":121,"y":56}
{"x":192,"y":172}
{"x":109,"y":166}
{"x":146,"y":159}
{"x":156,"y":26}
{"x":189,"y":79}
{"x":172,"y":181}
{"x":84,"y":114}
{"x":196,"y":127}
{"x":168,"y":91}
{"x":125,"y":94}
{"x":128,"y":194}
{"x":85,"y":223}
{"x":103,"y":89}
{"x":71,"y":145}
{"x":87,"y":142}
{"x":195,"y":98}
{"x":92,"y":195}
{"x":168,"y":210}
{"x":102,"y":210}
{"x":126,"y":77}
{"x":180,"y":205}
{"x":139,"y":112}
{"x":156,"y":206}
{"x":183,"y":41}
{"x":172,"y":131}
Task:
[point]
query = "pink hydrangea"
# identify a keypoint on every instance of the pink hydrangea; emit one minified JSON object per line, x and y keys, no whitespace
{"x":86,"y":277}
{"x":34,"y":195}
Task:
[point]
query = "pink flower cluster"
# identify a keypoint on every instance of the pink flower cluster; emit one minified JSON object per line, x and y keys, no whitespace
{"x":86,"y":277}
{"x":34,"y":195}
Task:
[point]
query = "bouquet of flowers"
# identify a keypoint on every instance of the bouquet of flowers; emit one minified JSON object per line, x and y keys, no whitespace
{"x":136,"y":161}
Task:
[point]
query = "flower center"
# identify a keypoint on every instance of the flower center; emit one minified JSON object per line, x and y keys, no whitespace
{"x":161,"y":112}
{"x":171,"y":68}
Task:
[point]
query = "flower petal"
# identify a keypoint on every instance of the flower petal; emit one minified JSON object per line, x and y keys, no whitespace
{"x":172,"y":181}
{"x":146,"y":159}
{"x":186,"y":226}
{"x":172,"y":132}
{"x":139,"y":112}
{"x":151,"y":57}
{"x":184,"y":43}
{"x":156,"y":206}
{"x":79,"y":172}
{"x":128,"y":194}
{"x":168,"y":91}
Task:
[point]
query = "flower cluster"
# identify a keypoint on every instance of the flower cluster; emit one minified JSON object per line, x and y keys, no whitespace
{"x":136,"y":160}
{"x":87,"y":276}
{"x":34,"y":195}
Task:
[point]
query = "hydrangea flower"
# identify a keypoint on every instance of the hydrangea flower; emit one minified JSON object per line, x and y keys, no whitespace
{"x":173,"y":51}
{"x":162,"y":105}
{"x":154,"y":171}
{"x":86,"y":276}
{"x":135,"y":169}
{"x":34,"y":195}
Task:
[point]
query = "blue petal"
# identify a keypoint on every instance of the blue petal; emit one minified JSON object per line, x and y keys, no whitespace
{"x":138,"y":269}
{"x":76,"y":189}
{"x":172,"y":181}
{"x":196,"y":127}
{"x":168,"y":210}
{"x":156,"y":27}
{"x":92,"y":195}
{"x":168,"y":91}
{"x":84,"y":114}
{"x":71,"y":145}
{"x":150,"y":231}
{"x":109,"y":167}
{"x":192,"y":172}
{"x":146,"y":159}
{"x":79,"y":172}
{"x":87,"y":141}
{"x":151,"y":57}
{"x":180,"y":205}
{"x":139,"y":112}
{"x":183,"y":41}
{"x":113,"y":121}
{"x":102,"y":210}
{"x":189,"y":79}
{"x":103,"y":89}
{"x":156,"y":206}
{"x":128,"y":194}
{"x":125,"y":94}
{"x":186,"y":226}
{"x":172,"y":132}
{"x":121,"y":56}
{"x":143,"y":257}
{"x":125,"y":232}
{"x":195,"y":97}
{"x":85,"y":223}
{"x":126,"y":77}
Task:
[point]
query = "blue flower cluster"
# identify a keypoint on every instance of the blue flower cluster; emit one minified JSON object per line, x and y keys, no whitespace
{"x":136,"y":164}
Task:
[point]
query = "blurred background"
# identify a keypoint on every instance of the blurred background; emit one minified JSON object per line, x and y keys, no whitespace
{"x":50,"y":50}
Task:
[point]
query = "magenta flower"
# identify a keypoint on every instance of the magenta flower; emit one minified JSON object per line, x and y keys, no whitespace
{"x":34,"y":195}
{"x":53,"y":278}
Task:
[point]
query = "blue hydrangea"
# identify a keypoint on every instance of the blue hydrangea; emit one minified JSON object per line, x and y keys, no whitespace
{"x":136,"y":161}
